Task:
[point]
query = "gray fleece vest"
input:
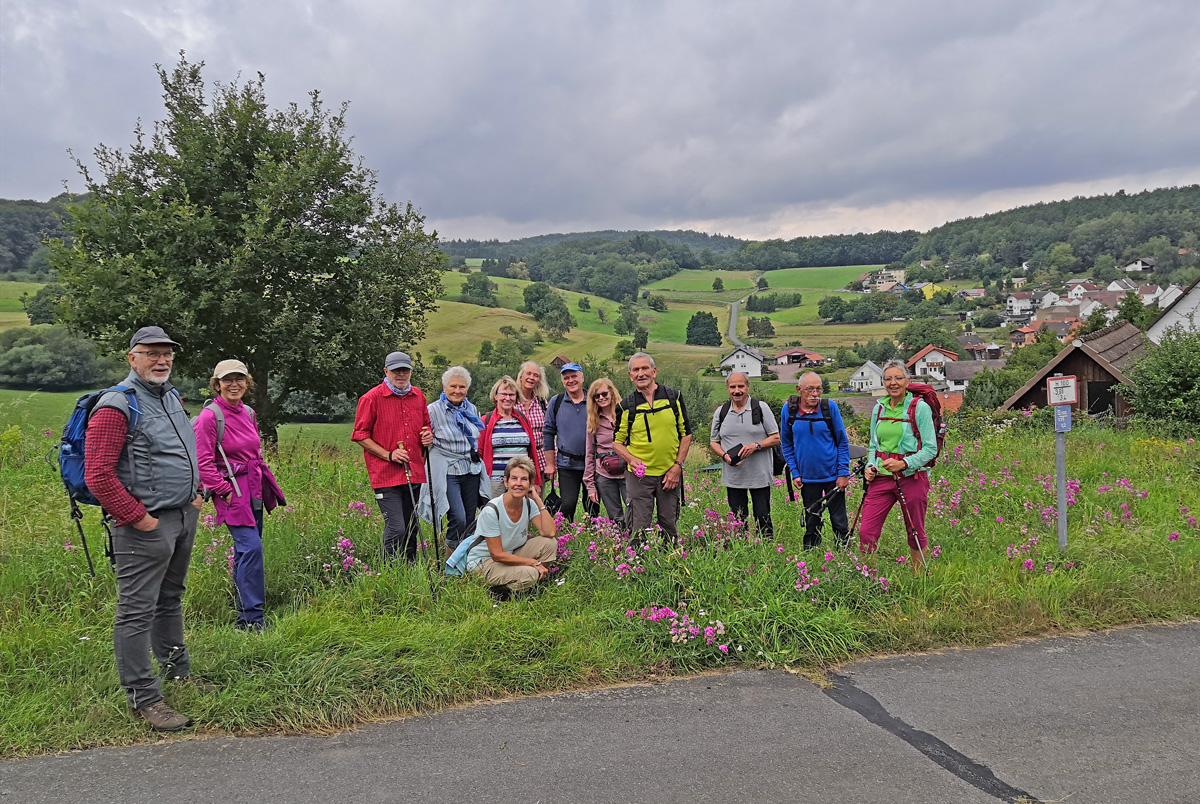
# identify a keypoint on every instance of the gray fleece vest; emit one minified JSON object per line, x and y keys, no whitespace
{"x":158,"y":465}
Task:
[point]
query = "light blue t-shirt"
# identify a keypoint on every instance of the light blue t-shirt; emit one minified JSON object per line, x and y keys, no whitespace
{"x":493,"y":521}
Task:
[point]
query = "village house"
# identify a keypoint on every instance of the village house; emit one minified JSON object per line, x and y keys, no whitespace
{"x":1101,"y":300}
{"x":1168,"y":297}
{"x":803,"y":357}
{"x":1142,"y":265}
{"x":1059,"y":312}
{"x":1183,"y":312}
{"x":1019,"y":304}
{"x":1024,"y":336}
{"x":885,"y":275}
{"x":1045,"y":298}
{"x":931,"y":362}
{"x":971,"y":293}
{"x":868,"y":379}
{"x":927,"y":289}
{"x":1017,"y":282}
{"x":1099,"y":362}
{"x":744,"y":359}
{"x":1075,"y":290}
{"x":983,"y":351}
{"x":960,"y":374}
{"x":1063,"y":330}
{"x":1121,"y":285}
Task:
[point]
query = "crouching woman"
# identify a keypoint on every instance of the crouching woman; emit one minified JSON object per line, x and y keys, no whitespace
{"x":502,"y":550}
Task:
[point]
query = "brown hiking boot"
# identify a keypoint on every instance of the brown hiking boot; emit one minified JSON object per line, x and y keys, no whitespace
{"x":162,"y":717}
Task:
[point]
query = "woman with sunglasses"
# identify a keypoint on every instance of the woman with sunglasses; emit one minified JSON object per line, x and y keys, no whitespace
{"x":232,"y":470}
{"x":604,"y":471}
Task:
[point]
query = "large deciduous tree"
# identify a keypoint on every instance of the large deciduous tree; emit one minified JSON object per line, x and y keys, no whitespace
{"x":702,"y":330}
{"x":249,"y":233}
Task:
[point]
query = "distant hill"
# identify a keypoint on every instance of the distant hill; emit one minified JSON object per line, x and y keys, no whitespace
{"x":23,"y":226}
{"x":523,"y":247}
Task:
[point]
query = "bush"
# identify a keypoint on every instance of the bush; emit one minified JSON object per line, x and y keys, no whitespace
{"x":1166,"y":382}
{"x":50,"y":358}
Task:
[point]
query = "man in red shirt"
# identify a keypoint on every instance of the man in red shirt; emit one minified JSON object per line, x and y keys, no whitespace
{"x":392,"y":426}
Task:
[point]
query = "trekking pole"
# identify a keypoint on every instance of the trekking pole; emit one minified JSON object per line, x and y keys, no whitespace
{"x":909,"y":526}
{"x":77,"y":516}
{"x":433,"y":512}
{"x":422,"y":546}
{"x":787,"y":477}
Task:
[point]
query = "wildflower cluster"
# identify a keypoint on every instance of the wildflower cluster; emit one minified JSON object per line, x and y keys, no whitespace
{"x":681,"y":627}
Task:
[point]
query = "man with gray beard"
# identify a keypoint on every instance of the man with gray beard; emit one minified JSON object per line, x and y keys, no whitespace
{"x":146,"y":479}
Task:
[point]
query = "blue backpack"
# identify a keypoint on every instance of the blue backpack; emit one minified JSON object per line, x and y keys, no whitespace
{"x":72,"y":449}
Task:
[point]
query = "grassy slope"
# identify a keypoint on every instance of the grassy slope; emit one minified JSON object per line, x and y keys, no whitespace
{"x":12,"y":314}
{"x":697,"y":281}
{"x":827,"y":278}
{"x":347,"y":650}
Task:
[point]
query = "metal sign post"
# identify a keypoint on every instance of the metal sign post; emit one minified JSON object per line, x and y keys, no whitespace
{"x":1061,"y":392}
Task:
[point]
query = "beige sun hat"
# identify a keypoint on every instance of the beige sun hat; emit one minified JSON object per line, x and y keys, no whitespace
{"x":227,"y":367}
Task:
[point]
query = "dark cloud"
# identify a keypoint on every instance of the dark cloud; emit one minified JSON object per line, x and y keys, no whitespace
{"x":763,"y":117}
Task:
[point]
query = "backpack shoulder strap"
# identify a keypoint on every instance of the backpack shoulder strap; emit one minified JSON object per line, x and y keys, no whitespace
{"x":219,"y":415}
{"x":912,"y":420}
{"x":793,"y":409}
{"x":558,"y":399}
{"x":828,"y":417}
{"x":724,"y":412}
{"x":756,"y":416}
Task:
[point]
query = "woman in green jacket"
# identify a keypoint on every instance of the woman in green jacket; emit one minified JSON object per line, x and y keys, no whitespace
{"x":896,"y":464}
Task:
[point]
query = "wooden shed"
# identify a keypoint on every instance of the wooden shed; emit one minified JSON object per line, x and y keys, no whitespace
{"x":1098,"y":361}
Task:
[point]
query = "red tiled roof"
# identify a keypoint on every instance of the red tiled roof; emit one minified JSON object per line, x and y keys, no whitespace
{"x":930,"y":348}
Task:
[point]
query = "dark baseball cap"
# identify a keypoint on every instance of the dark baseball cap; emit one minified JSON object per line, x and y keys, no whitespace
{"x":397,"y":360}
{"x":150,"y":335}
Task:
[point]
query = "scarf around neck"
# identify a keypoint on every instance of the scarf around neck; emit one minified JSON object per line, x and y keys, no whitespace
{"x":464,"y":415}
{"x":392,"y":387}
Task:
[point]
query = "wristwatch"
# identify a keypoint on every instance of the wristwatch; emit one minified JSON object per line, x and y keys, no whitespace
{"x":757,"y":446}
{"x":679,"y":464}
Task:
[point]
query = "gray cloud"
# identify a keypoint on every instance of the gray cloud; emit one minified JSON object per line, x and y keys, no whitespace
{"x":753,"y":118}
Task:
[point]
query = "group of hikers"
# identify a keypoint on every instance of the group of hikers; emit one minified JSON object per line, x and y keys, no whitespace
{"x":489,"y":476}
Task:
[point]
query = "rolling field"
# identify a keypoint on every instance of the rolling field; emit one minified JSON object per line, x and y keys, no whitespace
{"x":825,"y":336}
{"x":827,"y":278}
{"x":695,"y":281}
{"x":12,"y":314}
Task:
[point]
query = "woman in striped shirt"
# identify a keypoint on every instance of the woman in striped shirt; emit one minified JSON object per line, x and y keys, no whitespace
{"x":506,"y":434}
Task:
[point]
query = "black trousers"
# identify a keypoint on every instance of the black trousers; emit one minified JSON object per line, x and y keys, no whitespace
{"x":570,"y":481}
{"x":401,"y":528}
{"x":762,"y":508}
{"x":810,"y":496}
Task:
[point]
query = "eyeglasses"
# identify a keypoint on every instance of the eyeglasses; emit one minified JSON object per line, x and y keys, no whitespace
{"x":155,"y":356}
{"x":506,"y":395}
{"x":234,"y":380}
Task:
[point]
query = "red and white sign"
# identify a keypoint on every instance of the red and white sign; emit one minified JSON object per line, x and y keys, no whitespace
{"x":1062,"y":390}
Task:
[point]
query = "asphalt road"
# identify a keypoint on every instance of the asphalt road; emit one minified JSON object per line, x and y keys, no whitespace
{"x":1109,"y":717}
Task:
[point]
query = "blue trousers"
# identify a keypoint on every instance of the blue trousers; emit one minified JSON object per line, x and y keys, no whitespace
{"x":462,"y":493}
{"x":249,"y":578}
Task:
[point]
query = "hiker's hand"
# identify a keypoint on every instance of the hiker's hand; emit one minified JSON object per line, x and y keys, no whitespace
{"x":748,"y":450}
{"x":542,"y":571}
{"x":894,"y":465}
{"x":842,"y":482}
{"x":870,"y":473}
{"x":146,"y":524}
{"x":550,"y":469}
{"x":594,"y":496}
{"x":198,"y":502}
{"x":426,"y":437}
{"x":727,"y":458}
{"x":398,"y":455}
{"x":672,"y":477}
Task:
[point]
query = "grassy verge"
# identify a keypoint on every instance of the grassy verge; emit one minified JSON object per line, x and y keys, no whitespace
{"x":349,"y":645}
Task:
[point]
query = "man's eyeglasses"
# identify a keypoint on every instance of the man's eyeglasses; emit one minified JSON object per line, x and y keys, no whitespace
{"x":155,"y":355}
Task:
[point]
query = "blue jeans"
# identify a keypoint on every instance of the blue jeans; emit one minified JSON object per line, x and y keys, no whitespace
{"x":462,"y":493}
{"x":249,"y":578}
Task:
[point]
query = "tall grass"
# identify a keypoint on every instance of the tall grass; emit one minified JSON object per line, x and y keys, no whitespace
{"x":371,"y":642}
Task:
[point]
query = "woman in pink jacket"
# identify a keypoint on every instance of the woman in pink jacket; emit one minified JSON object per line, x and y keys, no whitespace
{"x":604,"y":471}
{"x":229,"y":452}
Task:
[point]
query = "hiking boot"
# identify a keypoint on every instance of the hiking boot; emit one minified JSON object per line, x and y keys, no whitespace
{"x":251,"y":627}
{"x":162,"y":717}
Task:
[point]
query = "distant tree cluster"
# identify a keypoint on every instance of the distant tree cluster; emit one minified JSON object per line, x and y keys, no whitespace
{"x":24,"y":226}
{"x":760,"y":327}
{"x":478,"y":289}
{"x":770,"y":302}
{"x":875,"y":307}
{"x":703,"y":330}
{"x":549,"y":309}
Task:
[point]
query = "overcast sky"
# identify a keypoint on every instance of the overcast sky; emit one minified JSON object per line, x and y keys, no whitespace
{"x":756,"y":119}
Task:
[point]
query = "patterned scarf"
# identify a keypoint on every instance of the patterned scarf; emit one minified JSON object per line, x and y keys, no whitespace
{"x":392,"y":387}
{"x":464,"y":413}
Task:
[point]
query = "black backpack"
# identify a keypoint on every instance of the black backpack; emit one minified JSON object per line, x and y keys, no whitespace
{"x":822,"y":406}
{"x":778,"y":464}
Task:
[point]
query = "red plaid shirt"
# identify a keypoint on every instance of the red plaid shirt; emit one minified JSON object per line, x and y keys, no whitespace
{"x":105,"y":442}
{"x":388,"y":419}
{"x":536,"y":414}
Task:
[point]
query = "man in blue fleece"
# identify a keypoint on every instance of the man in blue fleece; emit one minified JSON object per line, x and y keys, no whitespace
{"x":818,"y":453}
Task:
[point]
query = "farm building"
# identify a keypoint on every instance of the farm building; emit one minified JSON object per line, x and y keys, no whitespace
{"x":869,"y":378}
{"x":1098,"y":362}
{"x":804,"y":357}
{"x":744,"y":359}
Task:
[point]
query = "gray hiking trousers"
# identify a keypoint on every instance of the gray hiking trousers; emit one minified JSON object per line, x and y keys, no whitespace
{"x":151,"y":570}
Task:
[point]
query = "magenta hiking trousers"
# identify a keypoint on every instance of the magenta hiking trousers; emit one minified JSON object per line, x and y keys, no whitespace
{"x":882,"y":494}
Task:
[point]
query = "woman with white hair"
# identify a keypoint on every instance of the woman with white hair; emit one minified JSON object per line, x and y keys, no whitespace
{"x":457,"y":473}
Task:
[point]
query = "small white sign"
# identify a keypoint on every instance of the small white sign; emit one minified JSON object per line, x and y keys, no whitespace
{"x":1062,"y":390}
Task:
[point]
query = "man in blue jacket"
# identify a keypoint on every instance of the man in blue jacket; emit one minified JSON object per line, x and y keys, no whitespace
{"x":818,"y":453}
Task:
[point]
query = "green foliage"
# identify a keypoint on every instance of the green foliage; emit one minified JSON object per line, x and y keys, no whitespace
{"x":702,"y":330}
{"x":549,"y":309}
{"x":657,"y":303}
{"x":584,"y":303}
{"x":478,"y":289}
{"x":989,"y":389}
{"x":759,"y":327}
{"x":988,"y":319}
{"x":248,"y":233}
{"x":50,"y":358}
{"x":24,"y":226}
{"x":1166,"y":381}
{"x":1095,"y":322}
{"x":762,"y":283}
{"x":641,"y":337}
{"x":512,"y":348}
{"x":916,"y":335}
{"x":1132,"y":310}
{"x":718,"y":285}
{"x":770,"y":302}
{"x":42,"y":307}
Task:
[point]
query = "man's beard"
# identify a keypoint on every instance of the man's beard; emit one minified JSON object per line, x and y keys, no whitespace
{"x":154,"y":379}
